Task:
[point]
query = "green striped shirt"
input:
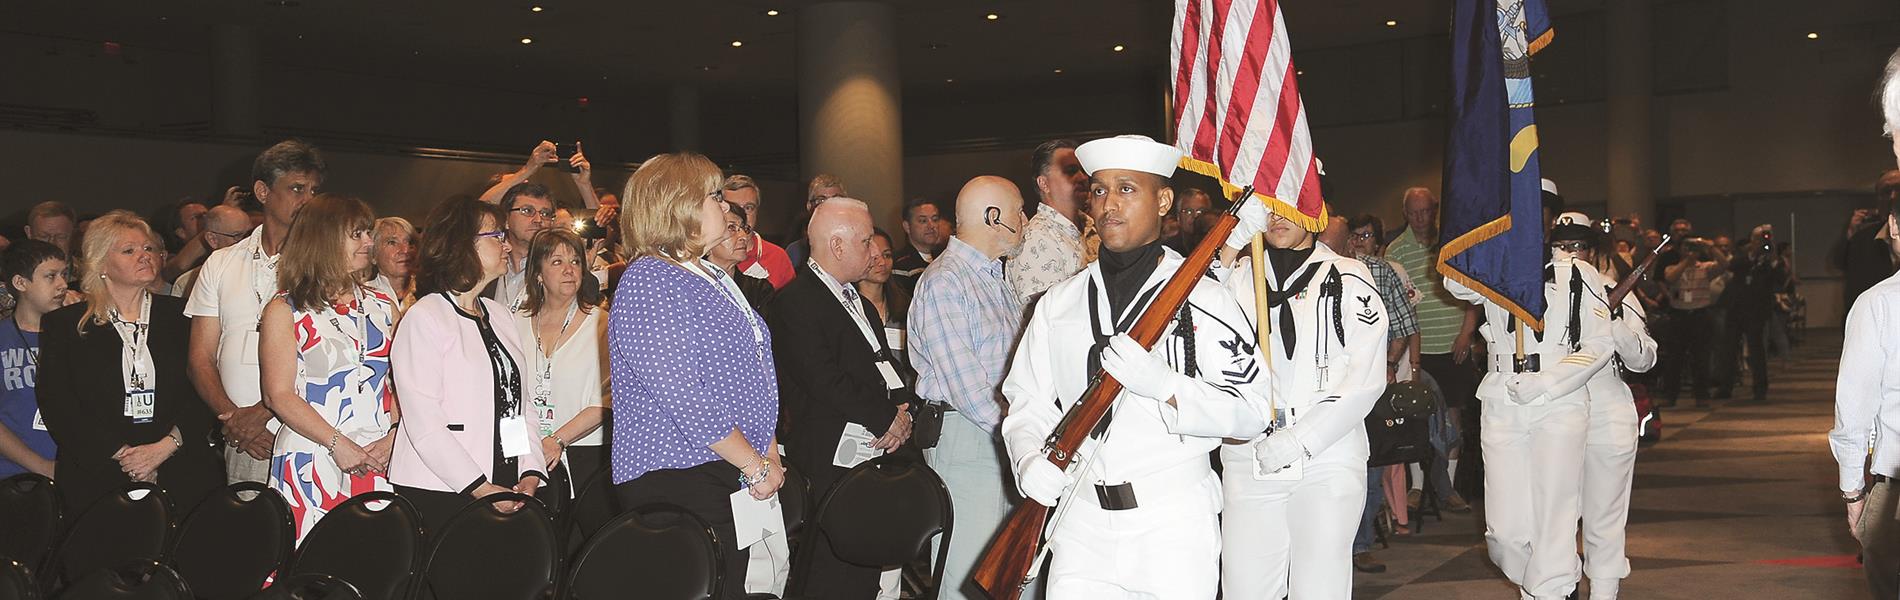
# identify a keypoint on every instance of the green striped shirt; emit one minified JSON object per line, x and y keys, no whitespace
{"x":1439,"y":314}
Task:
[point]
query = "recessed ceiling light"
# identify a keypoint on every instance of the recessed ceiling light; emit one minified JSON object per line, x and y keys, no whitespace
{"x":1058,"y":71}
{"x":535,"y":8}
{"x":992,"y":16}
{"x":1119,"y":47}
{"x":771,"y":13}
{"x":1391,"y":23}
{"x":1300,"y":72}
{"x":949,"y":81}
{"x":1814,"y":35}
{"x":737,"y":43}
{"x":707,"y":67}
{"x":527,"y":40}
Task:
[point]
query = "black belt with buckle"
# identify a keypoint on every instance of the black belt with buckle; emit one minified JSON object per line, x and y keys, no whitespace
{"x":1528,"y":364}
{"x":1116,"y":497}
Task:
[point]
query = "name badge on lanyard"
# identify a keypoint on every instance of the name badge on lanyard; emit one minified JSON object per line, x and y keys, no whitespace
{"x":514,"y":436}
{"x":891,"y":380}
{"x":141,"y":406}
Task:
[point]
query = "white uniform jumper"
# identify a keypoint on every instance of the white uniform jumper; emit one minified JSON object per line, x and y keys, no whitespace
{"x":1609,"y":454}
{"x":1292,"y":531}
{"x":1534,"y":444}
{"x":1167,"y":546}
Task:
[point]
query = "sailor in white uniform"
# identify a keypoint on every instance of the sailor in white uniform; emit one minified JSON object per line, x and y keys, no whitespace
{"x":1609,"y":452}
{"x":1295,"y":492}
{"x":1536,"y":413}
{"x":1137,"y":511}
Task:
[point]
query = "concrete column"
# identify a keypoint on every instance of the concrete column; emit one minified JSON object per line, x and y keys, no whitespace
{"x":234,"y":81}
{"x":849,"y":119}
{"x":1631,"y":176}
{"x":683,"y":103}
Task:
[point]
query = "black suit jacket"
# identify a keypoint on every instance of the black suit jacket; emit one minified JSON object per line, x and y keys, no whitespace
{"x":827,"y":371}
{"x":81,"y":390}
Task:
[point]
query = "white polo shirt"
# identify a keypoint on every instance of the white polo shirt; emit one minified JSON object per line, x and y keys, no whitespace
{"x":233,"y":285}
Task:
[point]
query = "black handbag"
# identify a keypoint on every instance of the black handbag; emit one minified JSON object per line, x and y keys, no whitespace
{"x":1404,"y":400}
{"x":1398,"y":441}
{"x":926,"y":426}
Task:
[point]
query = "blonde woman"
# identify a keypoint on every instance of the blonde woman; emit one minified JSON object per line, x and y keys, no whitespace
{"x":323,"y":347}
{"x":395,"y":259}
{"x":111,"y":383}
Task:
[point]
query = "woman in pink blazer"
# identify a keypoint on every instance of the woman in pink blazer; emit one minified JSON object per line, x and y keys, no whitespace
{"x":459,"y":368}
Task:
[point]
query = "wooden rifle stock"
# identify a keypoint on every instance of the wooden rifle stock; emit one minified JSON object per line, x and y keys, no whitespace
{"x":1628,"y":284}
{"x":1003,"y":569}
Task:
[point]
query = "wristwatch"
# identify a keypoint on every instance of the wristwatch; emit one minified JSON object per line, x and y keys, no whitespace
{"x":1854,"y":497}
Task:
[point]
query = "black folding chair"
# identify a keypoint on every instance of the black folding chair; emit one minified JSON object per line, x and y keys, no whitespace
{"x":29,"y":518}
{"x":373,"y":541}
{"x":485,"y":553}
{"x":233,"y":540}
{"x":309,"y":586}
{"x":127,"y":526}
{"x":881,"y":514}
{"x":16,"y":581}
{"x":134,"y":580}
{"x":663,"y":550}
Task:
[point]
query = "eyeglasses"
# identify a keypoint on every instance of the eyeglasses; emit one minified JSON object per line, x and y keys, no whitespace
{"x":234,"y":236}
{"x":1571,"y":247}
{"x":738,"y":228}
{"x":530,"y":212}
{"x":1361,"y":235}
{"x":497,"y":235}
{"x":1193,"y":212}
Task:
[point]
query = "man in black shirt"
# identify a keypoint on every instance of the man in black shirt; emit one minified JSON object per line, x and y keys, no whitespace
{"x":1862,"y":257}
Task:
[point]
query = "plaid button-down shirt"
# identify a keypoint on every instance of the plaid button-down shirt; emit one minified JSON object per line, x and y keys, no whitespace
{"x":963,"y":319}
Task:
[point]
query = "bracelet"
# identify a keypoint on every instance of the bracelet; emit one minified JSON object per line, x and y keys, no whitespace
{"x":333,"y":439}
{"x":1856,"y":497}
{"x":177,"y":442}
{"x":558,"y":440}
{"x":765,"y":471}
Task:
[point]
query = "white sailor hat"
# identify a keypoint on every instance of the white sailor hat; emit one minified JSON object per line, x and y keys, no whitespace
{"x":1550,"y":187}
{"x":1573,"y":218}
{"x":1131,"y":152}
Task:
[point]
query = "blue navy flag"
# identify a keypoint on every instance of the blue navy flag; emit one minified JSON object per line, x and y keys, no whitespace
{"x":1491,"y":231}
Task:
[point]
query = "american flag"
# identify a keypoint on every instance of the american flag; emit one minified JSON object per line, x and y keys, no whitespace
{"x":1237,"y":111}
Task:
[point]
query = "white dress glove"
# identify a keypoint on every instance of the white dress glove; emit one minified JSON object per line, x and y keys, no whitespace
{"x":1041,"y":480}
{"x":1625,"y":339}
{"x":1525,"y":387}
{"x":1138,"y":370}
{"x":1253,"y":220}
{"x":1277,"y":451}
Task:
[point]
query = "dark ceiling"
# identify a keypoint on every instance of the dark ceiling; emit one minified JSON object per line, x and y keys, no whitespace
{"x":602,"y":47}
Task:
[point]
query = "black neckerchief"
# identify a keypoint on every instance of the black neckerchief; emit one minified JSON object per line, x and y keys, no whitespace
{"x":1123,"y":273}
{"x":1284,"y":261}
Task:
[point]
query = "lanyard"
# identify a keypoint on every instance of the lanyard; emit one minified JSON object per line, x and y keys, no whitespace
{"x":542,"y":356}
{"x":851,"y":305}
{"x":359,"y":313}
{"x":730,"y":289}
{"x":132,"y":336}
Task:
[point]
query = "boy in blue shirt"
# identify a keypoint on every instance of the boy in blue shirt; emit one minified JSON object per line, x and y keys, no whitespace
{"x":35,"y":272}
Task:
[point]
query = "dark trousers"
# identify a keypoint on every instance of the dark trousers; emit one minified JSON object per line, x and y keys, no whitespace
{"x":1687,"y":347}
{"x":583,"y":463}
{"x":1880,"y":540}
{"x":703,"y":490}
{"x":435,"y":508}
{"x":1745,"y":332}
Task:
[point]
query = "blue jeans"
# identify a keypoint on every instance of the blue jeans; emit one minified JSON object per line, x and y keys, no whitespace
{"x":1375,"y":498}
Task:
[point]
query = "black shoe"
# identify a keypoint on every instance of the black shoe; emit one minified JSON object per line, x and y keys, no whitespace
{"x":1365,"y":563}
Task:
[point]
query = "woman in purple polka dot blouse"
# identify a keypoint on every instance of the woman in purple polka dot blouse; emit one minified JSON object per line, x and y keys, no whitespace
{"x":695,"y":398}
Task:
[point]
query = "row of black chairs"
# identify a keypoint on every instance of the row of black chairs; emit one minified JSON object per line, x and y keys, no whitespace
{"x":372,"y":546}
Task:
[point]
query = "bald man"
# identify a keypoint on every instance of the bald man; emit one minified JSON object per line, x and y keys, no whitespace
{"x":838,"y":385}
{"x":963,"y":320}
{"x":224,"y":225}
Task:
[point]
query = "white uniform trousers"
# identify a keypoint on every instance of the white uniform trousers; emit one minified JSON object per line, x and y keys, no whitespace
{"x":1609,"y":461}
{"x":1156,"y":551}
{"x":1292,"y":537}
{"x":1532,"y":457}
{"x":971,"y":463}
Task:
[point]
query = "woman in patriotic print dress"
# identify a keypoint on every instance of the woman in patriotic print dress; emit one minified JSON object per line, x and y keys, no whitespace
{"x":324,"y":352}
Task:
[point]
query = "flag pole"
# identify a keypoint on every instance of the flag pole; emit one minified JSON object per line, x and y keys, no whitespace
{"x":1264,"y":332}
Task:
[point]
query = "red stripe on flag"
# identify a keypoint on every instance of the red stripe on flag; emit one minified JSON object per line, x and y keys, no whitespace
{"x":1204,"y":135}
{"x":1247,"y":82}
{"x":1311,"y":203}
{"x":1273,"y":161}
{"x":1184,"y":71}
